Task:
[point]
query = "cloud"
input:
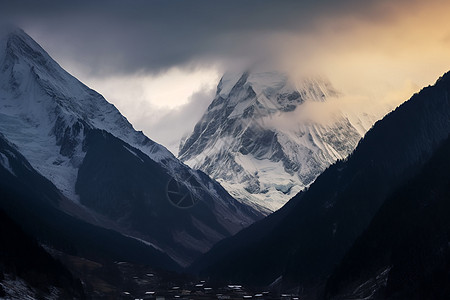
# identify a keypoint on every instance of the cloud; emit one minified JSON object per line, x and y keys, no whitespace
{"x":373,"y":51}
{"x":153,"y":36}
{"x":165,"y":107}
{"x":175,"y":124}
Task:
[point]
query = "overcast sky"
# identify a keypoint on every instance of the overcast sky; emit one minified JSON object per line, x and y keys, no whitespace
{"x":159,"y":61}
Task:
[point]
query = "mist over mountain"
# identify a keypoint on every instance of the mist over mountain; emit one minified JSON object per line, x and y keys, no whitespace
{"x":265,"y":136}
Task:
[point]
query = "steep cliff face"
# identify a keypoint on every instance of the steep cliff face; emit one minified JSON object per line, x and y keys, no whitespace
{"x":260,"y":141}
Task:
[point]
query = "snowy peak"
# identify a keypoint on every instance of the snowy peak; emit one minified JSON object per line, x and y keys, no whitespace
{"x":259,"y":139}
{"x":255,"y":95}
{"x":277,"y":84}
{"x":29,"y":66}
{"x":21,"y":54}
{"x":43,"y":100}
{"x":50,"y":107}
{"x":19,"y":44}
{"x":36,"y":88}
{"x":49,"y":116}
{"x":46,"y":112}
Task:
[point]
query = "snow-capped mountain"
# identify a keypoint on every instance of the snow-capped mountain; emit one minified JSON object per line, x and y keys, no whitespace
{"x":41,"y":100}
{"x":265,"y":137}
{"x":54,"y":120}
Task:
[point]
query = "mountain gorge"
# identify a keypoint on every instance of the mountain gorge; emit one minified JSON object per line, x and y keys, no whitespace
{"x":265,"y":136}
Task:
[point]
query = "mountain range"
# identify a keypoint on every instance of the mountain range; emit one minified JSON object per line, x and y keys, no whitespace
{"x":368,"y":217}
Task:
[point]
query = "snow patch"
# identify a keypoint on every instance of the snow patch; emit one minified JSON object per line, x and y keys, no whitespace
{"x":4,"y":161}
{"x":145,"y":242}
{"x":133,"y":152}
{"x":16,"y":288}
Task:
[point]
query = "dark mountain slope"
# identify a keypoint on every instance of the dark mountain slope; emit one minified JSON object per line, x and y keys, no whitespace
{"x":126,"y":185}
{"x":408,"y":240}
{"x":32,"y":201}
{"x":325,"y":221}
{"x":22,"y":257}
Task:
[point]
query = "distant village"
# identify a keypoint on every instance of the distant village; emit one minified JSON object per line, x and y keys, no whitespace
{"x":164,"y":286}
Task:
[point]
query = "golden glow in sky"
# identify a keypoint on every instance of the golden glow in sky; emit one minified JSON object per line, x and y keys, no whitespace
{"x":378,"y":55}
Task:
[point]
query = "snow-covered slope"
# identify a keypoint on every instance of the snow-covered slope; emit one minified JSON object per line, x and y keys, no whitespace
{"x":265,"y":137}
{"x":45,"y":102}
{"x":48,"y":114}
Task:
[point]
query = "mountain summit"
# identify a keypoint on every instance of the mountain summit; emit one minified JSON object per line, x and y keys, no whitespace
{"x":264,"y":139}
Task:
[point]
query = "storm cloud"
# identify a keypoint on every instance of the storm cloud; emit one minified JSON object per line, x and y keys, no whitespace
{"x":159,"y":61}
{"x":152,"y":36}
